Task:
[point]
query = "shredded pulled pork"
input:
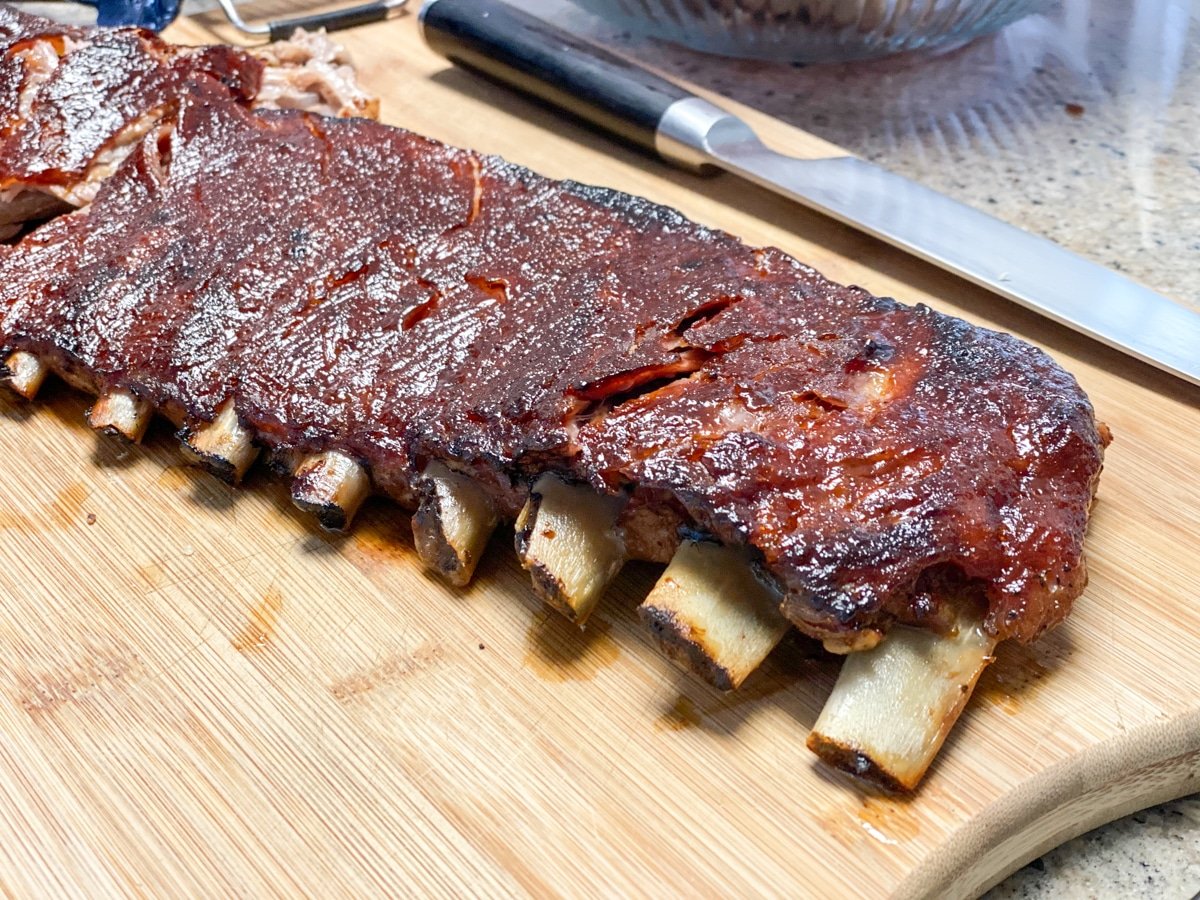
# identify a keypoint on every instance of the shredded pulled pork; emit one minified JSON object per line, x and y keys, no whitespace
{"x":310,"y":72}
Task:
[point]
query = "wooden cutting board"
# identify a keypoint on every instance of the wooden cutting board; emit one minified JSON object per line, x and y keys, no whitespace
{"x":200,"y":693}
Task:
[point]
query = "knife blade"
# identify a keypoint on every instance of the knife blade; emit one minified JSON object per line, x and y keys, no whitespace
{"x":639,"y":106}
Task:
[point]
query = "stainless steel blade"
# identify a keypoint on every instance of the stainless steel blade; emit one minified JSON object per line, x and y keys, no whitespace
{"x":1030,"y":270}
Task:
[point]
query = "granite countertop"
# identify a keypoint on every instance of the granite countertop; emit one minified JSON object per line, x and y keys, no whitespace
{"x":1081,"y":125}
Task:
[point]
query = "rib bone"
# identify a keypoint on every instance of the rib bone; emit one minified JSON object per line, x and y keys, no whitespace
{"x":892,"y":706}
{"x":568,"y":539}
{"x":711,"y":615}
{"x":222,"y":446}
{"x":331,"y":485}
{"x":122,"y":413}
{"x":25,"y":373}
{"x":453,"y":523}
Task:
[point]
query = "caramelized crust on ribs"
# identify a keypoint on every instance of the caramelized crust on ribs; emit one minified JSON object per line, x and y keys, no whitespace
{"x":357,"y":288}
{"x":75,"y":101}
{"x":72,"y":96}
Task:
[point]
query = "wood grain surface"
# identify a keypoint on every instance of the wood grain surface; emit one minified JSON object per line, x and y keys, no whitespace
{"x":201,"y":694}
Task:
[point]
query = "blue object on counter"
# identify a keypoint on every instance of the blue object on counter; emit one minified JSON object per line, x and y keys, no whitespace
{"x":153,"y":14}
{"x":158,"y":14}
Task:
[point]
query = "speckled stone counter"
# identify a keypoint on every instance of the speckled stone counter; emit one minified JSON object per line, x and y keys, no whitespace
{"x":1082,"y":125}
{"x":1153,"y":853}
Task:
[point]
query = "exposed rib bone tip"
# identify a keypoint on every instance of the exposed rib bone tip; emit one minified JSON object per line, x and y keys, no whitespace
{"x":893,"y":706}
{"x":25,"y":373}
{"x":453,"y":523}
{"x":857,"y":642}
{"x":222,"y":446}
{"x":711,"y":615}
{"x":122,"y":413}
{"x":568,"y":539}
{"x":331,"y":485}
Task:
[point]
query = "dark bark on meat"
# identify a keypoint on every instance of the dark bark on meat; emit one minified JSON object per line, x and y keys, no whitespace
{"x":358,"y":288}
{"x":110,"y":80}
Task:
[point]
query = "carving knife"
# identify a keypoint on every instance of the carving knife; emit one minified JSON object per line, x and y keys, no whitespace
{"x":618,"y":96}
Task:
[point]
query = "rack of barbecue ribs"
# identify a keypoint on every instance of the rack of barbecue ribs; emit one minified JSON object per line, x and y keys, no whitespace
{"x":381,"y":313}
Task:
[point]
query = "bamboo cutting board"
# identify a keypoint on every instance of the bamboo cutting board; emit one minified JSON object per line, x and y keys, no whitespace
{"x":202,"y":694}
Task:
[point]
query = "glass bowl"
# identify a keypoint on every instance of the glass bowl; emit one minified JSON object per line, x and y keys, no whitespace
{"x":813,"y":30}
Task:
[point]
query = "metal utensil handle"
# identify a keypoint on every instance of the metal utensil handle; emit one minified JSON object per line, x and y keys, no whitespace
{"x":334,"y":20}
{"x":535,"y":57}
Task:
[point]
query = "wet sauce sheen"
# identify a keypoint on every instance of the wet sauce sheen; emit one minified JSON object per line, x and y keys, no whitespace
{"x":108,"y":81}
{"x":358,"y":287}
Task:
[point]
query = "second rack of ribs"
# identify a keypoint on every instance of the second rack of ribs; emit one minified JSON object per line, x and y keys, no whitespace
{"x":355,"y":287}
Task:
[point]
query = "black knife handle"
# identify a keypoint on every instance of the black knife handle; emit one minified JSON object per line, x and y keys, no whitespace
{"x":537,"y":58}
{"x":334,"y":20}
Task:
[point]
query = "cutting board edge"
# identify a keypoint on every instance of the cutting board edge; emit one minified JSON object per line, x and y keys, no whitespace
{"x":1136,"y":770}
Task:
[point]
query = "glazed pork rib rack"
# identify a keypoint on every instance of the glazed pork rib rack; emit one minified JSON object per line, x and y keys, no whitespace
{"x":383,"y":313}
